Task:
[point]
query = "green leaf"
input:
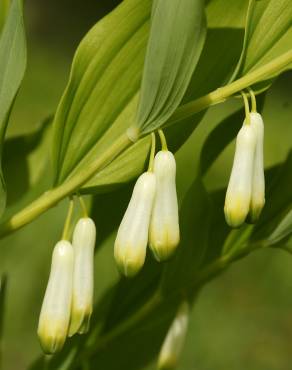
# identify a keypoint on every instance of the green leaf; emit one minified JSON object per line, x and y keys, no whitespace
{"x":12,"y":68}
{"x":4,"y":5}
{"x":279,"y":199}
{"x":176,"y":40}
{"x":98,"y":101}
{"x":94,"y":110}
{"x":219,"y":228}
{"x":268,"y":34}
{"x":219,"y":16}
{"x":3,"y":288}
{"x":27,"y":155}
{"x":283,"y":229}
{"x":195,"y":220}
{"x":219,"y":138}
{"x":222,"y":47}
{"x":122,"y":170}
{"x":133,"y":160}
{"x":131,"y":294}
{"x":146,"y":337}
{"x":83,"y":128}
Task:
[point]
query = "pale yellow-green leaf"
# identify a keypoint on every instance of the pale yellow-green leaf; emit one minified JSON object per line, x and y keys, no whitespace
{"x":268,"y":34}
{"x":101,"y":98}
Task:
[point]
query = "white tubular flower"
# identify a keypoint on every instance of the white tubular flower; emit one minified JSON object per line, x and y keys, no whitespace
{"x":82,"y":297}
{"x":164,"y":226}
{"x":132,"y":238}
{"x":174,"y":340}
{"x":238,"y":195}
{"x":258,"y":183}
{"x":56,"y":308}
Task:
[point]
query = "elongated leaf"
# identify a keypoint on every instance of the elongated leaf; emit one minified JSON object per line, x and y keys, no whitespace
{"x":220,"y":16}
{"x":92,"y":113}
{"x":217,"y":47}
{"x":101,"y":92}
{"x":283,"y":229}
{"x":3,"y":288}
{"x":4,"y":5}
{"x":12,"y":67}
{"x":219,"y":138}
{"x":268,"y":34}
{"x":94,"y":110}
{"x":194,"y":223}
{"x":146,"y":337}
{"x":175,"y":43}
{"x":279,"y":198}
{"x":222,"y":47}
{"x":27,"y":155}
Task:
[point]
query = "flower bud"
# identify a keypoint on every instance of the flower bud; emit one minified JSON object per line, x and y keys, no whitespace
{"x":174,"y":340}
{"x":55,"y":312}
{"x":82,"y":297}
{"x":258,"y":182}
{"x":132,"y":238}
{"x":164,"y":226}
{"x":238,"y":195}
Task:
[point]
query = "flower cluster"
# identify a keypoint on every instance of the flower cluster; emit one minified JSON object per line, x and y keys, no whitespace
{"x":68,"y":301}
{"x":245,"y":196}
{"x":151,"y":217}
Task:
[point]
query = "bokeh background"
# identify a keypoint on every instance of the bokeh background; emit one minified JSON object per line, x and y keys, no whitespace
{"x":243,"y":319}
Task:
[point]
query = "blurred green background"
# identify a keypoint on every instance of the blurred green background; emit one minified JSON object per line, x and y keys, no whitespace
{"x":243,"y":319}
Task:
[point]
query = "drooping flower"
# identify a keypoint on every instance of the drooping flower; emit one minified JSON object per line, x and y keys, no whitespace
{"x":174,"y":340}
{"x":238,"y":195}
{"x":164,"y":232}
{"x":132,"y":237}
{"x":258,"y":181}
{"x":55,"y":312}
{"x":83,"y":243}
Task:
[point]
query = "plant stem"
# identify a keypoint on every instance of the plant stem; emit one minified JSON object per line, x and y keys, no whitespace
{"x":219,"y":95}
{"x":52,"y":197}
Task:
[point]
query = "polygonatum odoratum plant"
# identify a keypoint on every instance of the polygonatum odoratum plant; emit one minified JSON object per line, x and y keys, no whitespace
{"x":140,"y":228}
